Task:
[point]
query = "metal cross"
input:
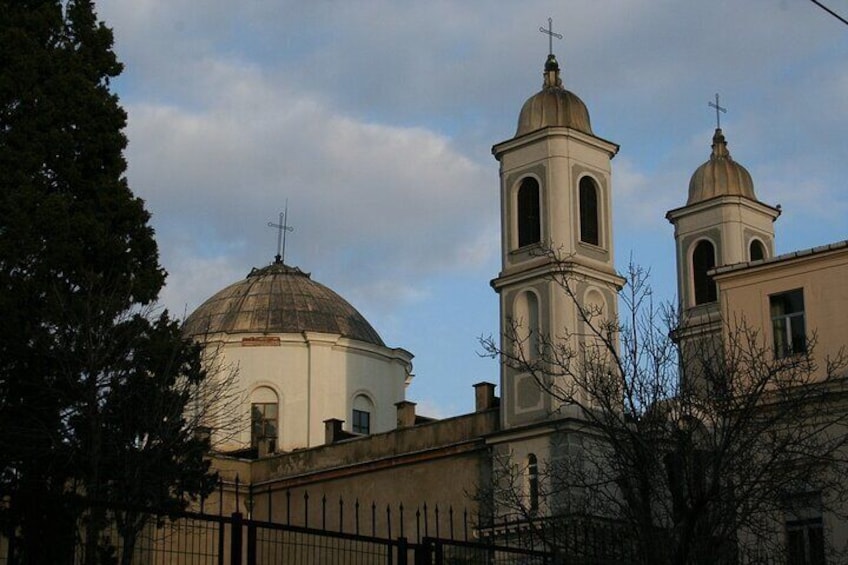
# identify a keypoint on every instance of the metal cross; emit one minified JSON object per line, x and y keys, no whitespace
{"x":551,"y":35}
{"x":718,"y":109}
{"x":282,"y":228}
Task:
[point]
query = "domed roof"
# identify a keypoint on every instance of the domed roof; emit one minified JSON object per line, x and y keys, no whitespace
{"x":279,"y":299}
{"x":553,"y":106}
{"x":720,"y":176}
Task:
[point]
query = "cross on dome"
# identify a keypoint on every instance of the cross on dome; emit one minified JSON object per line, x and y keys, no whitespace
{"x":282,"y":228}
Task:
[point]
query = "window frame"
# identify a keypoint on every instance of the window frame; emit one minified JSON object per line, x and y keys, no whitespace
{"x":593,"y":227}
{"x":265,"y":422}
{"x":789,"y":329}
{"x":356,"y":423}
{"x":704,"y":288}
{"x":528,"y":223}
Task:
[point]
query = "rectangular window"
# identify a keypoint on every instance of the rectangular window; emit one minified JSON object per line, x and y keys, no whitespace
{"x":804,"y":530}
{"x":361,"y":422}
{"x":263,"y":423}
{"x":787,"y":323}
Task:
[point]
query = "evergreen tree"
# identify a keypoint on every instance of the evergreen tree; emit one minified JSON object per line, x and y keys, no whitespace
{"x":87,"y":381}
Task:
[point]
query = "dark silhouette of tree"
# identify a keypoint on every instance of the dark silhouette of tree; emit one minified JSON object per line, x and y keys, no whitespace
{"x":93,"y":386}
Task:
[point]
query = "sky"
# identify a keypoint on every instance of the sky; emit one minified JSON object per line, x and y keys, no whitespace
{"x":374,"y":121}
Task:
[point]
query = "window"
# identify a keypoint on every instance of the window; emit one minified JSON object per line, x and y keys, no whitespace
{"x":703,"y":259}
{"x":263,"y":424}
{"x":756,"y":250}
{"x":589,"y":224}
{"x":362,"y":410}
{"x":787,"y":322}
{"x":529,"y":224}
{"x":532,"y":483}
{"x":361,"y":422}
{"x":804,"y":530}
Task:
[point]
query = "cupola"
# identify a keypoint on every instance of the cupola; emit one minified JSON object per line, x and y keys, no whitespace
{"x":720,"y":176}
{"x":553,"y":106}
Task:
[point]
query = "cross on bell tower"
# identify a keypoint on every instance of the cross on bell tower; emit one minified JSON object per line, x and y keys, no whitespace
{"x":718,"y":109}
{"x":550,"y":33}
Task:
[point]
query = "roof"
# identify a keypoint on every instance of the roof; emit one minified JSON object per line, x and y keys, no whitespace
{"x":736,"y":267}
{"x":553,"y":106}
{"x":720,"y":176}
{"x":279,"y":299}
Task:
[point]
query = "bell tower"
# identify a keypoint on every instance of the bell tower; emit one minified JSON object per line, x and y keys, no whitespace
{"x":721,"y":224}
{"x":556,"y":199}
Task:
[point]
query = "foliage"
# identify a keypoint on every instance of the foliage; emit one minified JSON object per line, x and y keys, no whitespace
{"x":692,"y":466}
{"x":92,"y":385}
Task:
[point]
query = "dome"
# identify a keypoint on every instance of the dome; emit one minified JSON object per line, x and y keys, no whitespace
{"x":279,"y":299}
{"x":553,"y":106}
{"x":720,"y":176}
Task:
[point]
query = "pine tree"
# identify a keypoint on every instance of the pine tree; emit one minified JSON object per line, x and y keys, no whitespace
{"x":78,"y":268}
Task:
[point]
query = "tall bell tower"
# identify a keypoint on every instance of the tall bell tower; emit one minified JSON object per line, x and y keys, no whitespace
{"x":556,"y":195}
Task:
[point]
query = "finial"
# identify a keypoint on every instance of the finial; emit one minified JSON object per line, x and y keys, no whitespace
{"x":550,"y":33}
{"x":551,"y":73}
{"x":718,"y":109}
{"x":282,"y":228}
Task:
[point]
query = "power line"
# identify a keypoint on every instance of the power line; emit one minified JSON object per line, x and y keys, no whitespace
{"x":829,"y":11}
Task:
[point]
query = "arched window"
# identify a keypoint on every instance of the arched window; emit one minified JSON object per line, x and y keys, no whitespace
{"x":756,"y":251}
{"x":532,"y":484}
{"x":589,"y":221}
{"x":264,"y":418}
{"x":703,"y":260}
{"x":526,"y":319}
{"x":529,"y":224}
{"x":363,"y":408}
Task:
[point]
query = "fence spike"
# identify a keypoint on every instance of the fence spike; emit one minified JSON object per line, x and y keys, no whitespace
{"x":323,"y":511}
{"x":450,"y":520}
{"x":341,"y":513}
{"x":270,"y":514}
{"x":401,"y":519}
{"x":418,"y":524}
{"x":306,"y":509}
{"x":288,"y":507}
{"x":356,"y":515}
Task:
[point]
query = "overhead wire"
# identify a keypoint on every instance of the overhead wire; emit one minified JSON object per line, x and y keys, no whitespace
{"x":829,"y":11}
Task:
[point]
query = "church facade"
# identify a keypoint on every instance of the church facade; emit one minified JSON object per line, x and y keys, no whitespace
{"x":323,"y":398}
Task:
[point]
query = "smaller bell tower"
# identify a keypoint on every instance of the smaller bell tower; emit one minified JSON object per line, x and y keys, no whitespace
{"x":556,"y":196}
{"x":722,"y":223}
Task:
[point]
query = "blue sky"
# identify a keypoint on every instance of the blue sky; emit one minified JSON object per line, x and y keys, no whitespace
{"x":375,"y":120}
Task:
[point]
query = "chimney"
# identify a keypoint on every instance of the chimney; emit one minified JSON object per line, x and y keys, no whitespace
{"x":332,"y":430}
{"x":405,"y":414}
{"x":484,"y":397}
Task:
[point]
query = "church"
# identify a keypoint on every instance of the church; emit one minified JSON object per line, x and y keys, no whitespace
{"x":321,"y":399}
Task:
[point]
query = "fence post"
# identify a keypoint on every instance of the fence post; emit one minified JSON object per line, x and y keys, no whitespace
{"x":403,"y":552}
{"x":236,"y":539}
{"x":251,"y":542}
{"x":424,"y":552}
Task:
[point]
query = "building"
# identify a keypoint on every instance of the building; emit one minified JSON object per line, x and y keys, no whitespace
{"x":325,"y":396}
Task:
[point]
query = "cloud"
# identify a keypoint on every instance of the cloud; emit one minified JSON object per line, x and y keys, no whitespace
{"x":381,"y":203}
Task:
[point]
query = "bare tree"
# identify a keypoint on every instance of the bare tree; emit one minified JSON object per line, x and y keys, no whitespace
{"x":701,"y":469}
